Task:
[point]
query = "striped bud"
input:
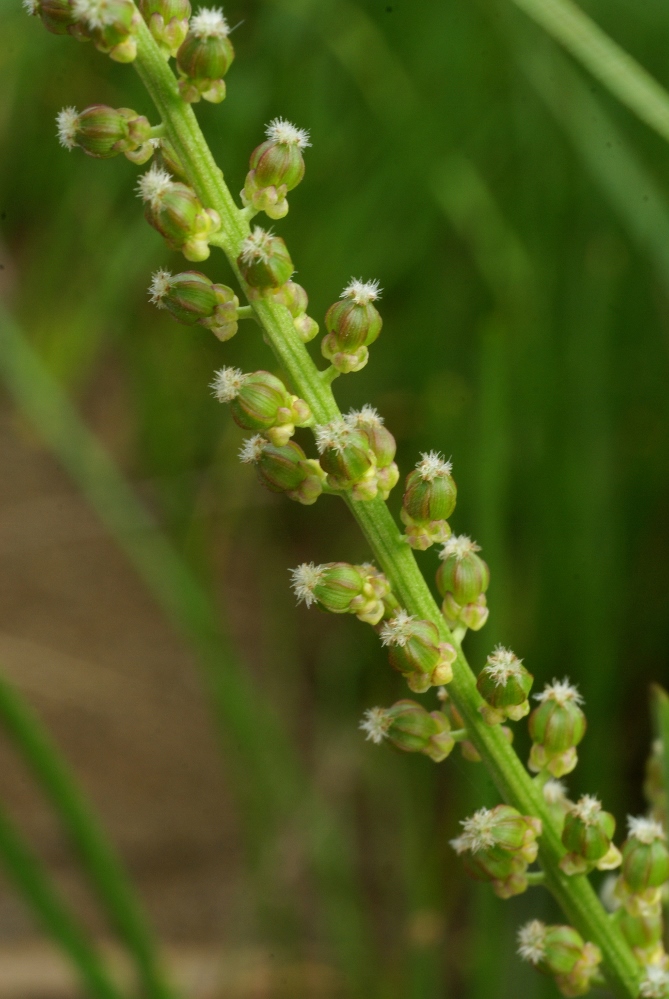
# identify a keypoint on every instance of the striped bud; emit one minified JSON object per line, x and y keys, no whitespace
{"x":175,"y":211}
{"x":382,"y":444}
{"x":277,"y":166}
{"x":57,"y":16}
{"x":556,"y":728}
{"x":352,"y":325}
{"x":167,"y":21}
{"x":347,"y":459}
{"x":645,"y":862}
{"x":260,"y":401}
{"x":111,"y":25}
{"x":497,"y":845}
{"x":192,"y":298}
{"x":410,"y":728}
{"x":462,"y":572}
{"x":415,"y":651}
{"x":104,"y":132}
{"x":264,"y":260}
{"x":204,"y":57}
{"x":560,"y":951}
{"x":587,"y":835}
{"x":284,"y":469}
{"x":504,"y":684}
{"x":429,"y":499}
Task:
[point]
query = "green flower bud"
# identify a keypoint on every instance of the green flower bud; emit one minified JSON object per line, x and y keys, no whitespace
{"x":111,"y":25}
{"x":295,"y":298}
{"x":347,"y":459}
{"x":382,"y":444}
{"x":264,"y":260}
{"x":462,"y":572}
{"x":277,"y":166}
{"x":343,"y":589}
{"x":556,"y":728}
{"x":205,"y":56}
{"x":472,"y":616}
{"x":167,"y":21}
{"x":416,"y":652}
{"x":352,"y":324}
{"x":167,"y":160}
{"x":587,"y":835}
{"x":645,"y":856}
{"x":429,"y":499}
{"x":57,"y":16}
{"x":260,"y":401}
{"x":497,"y":845}
{"x":193,"y":298}
{"x":175,"y":211}
{"x":560,"y":951}
{"x":103,"y":132}
{"x":410,"y":728}
{"x":644,"y":935}
{"x":284,"y":469}
{"x":382,"y":590}
{"x":504,"y":684}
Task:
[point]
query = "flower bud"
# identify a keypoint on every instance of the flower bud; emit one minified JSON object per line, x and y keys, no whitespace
{"x":166,"y":159}
{"x":103,"y":132}
{"x":429,"y":499}
{"x":167,"y":21}
{"x":193,"y":298}
{"x":111,"y":25}
{"x":504,"y":684}
{"x":462,"y":572}
{"x":342,"y":589}
{"x":295,"y":298}
{"x":645,"y":863}
{"x":587,"y":835}
{"x":560,"y":951}
{"x":205,"y":56}
{"x":352,"y":324}
{"x":556,"y":728}
{"x":57,"y":16}
{"x":264,"y":260}
{"x":174,"y":210}
{"x":472,"y":616}
{"x":497,"y":845}
{"x":382,"y":590}
{"x":284,"y":469}
{"x":416,"y":652}
{"x":382,"y":444}
{"x":277,"y":166}
{"x":347,"y":459}
{"x":411,"y":728}
{"x":260,"y":401}
{"x":644,"y":935}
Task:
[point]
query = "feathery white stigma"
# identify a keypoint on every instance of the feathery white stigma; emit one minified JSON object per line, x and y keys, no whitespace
{"x":281,"y":131}
{"x":644,"y":829}
{"x":532,"y":941}
{"x":398,"y":630}
{"x":31,"y":7}
{"x":305,"y":580}
{"x":365,"y":417}
{"x":257,"y":246}
{"x":502,"y":664}
{"x":362,"y":292}
{"x":252,"y":448}
{"x":209,"y":23}
{"x":153,"y":184}
{"x":587,"y":808}
{"x":459,"y":546}
{"x":375,"y":723}
{"x":96,"y":13}
{"x":433,"y":466}
{"x":227,"y":384}
{"x":159,"y":287}
{"x":478,"y":831}
{"x":560,"y":691}
{"x":655,"y":983}
{"x":555,"y":792}
{"x":334,"y":434}
{"x":67,"y":122}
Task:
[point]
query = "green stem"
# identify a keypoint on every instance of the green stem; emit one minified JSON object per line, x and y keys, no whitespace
{"x":86,"y":835}
{"x":32,"y":880}
{"x":605,"y":59}
{"x":396,"y":558}
{"x":536,"y":877}
{"x":158,"y":131}
{"x":245,"y":312}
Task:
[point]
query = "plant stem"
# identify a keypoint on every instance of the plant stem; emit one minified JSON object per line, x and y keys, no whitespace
{"x":615,"y":68}
{"x":32,"y":880}
{"x":86,"y":835}
{"x":395,"y":557}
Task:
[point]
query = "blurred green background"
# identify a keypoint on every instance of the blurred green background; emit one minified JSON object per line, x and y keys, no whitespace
{"x":518,"y":221}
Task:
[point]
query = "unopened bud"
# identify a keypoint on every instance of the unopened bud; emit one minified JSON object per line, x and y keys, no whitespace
{"x":111,"y":24}
{"x":277,"y":166}
{"x":382,"y":589}
{"x":264,"y":260}
{"x":342,"y":589}
{"x":192,"y":298}
{"x":166,"y":159}
{"x":167,"y":21}
{"x":382,"y":444}
{"x":260,"y":401}
{"x":462,"y":572}
{"x":295,"y":298}
{"x":645,"y":863}
{"x":347,"y":458}
{"x":175,"y":211}
{"x":560,"y":951}
{"x":504,"y":684}
{"x":472,"y":616}
{"x":57,"y":16}
{"x":284,"y":469}
{"x":556,"y":728}
{"x":587,"y":835}
{"x":497,"y":845}
{"x":644,"y":935}
{"x":411,"y":728}
{"x":104,"y":132}
{"x":205,"y":56}
{"x":416,"y":652}
{"x":352,"y":324}
{"x":429,"y":499}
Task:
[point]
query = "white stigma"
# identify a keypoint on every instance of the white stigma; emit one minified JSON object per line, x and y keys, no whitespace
{"x":433,"y":466}
{"x":587,"y":808}
{"x":281,"y":131}
{"x":305,"y":580}
{"x":398,"y":630}
{"x":153,"y":184}
{"x":655,"y":983}
{"x":375,"y":723}
{"x":478,"y":831}
{"x":555,"y":792}
{"x":252,"y":449}
{"x":227,"y":384}
{"x":209,"y":23}
{"x":503,"y":664}
{"x":257,"y":246}
{"x":334,"y":434}
{"x":560,"y":691}
{"x":362,"y":292}
{"x":159,"y":287}
{"x":365,"y":417}
{"x":532,"y":941}
{"x":96,"y":13}
{"x":458,"y":547}
{"x":644,"y":829}
{"x":67,"y":122}
{"x":31,"y":7}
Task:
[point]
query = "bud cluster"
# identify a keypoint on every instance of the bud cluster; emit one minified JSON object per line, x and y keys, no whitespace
{"x":296,"y":300}
{"x":415,"y":651}
{"x":109,"y":24}
{"x":645,"y":867}
{"x":556,"y":728}
{"x":381,"y":443}
{"x":342,"y":588}
{"x":497,"y":845}
{"x":462,"y":580}
{"x":560,"y":951}
{"x":167,"y":21}
{"x":277,"y":166}
{"x":205,"y":56}
{"x":260,"y":401}
{"x":428,"y":501}
{"x":408,"y":726}
{"x":192,"y":298}
{"x":347,"y":458}
{"x":284,"y":469}
{"x":352,"y":325}
{"x":587,"y":835}
{"x":504,"y":684}
{"x":175,"y":211}
{"x":104,"y":132}
{"x":264,"y":261}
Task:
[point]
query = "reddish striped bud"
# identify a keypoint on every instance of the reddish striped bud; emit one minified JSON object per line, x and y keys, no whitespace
{"x":205,"y":56}
{"x":556,"y":728}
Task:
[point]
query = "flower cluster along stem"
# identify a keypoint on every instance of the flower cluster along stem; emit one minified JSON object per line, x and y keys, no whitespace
{"x":575,"y":894}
